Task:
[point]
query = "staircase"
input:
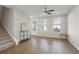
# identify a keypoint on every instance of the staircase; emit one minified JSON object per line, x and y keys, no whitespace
{"x":5,"y":39}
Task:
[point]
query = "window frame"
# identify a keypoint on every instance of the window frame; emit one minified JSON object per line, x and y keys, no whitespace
{"x":44,"y":25}
{"x":58,"y":24}
{"x":34,"y":23}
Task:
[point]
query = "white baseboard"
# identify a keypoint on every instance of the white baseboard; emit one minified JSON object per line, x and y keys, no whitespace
{"x":70,"y":40}
{"x":47,"y":36}
{"x":14,"y":39}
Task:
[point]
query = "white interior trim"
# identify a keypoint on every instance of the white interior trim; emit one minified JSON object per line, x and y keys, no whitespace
{"x":73,"y":43}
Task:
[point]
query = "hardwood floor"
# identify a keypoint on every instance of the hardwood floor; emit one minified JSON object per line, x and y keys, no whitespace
{"x":42,"y":45}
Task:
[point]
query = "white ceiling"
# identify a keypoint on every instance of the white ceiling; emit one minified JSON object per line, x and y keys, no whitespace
{"x":34,"y":10}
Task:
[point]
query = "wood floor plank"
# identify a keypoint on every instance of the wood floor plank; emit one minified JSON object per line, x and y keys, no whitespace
{"x":42,"y":45}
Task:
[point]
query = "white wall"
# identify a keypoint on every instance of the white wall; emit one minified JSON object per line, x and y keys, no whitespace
{"x":12,"y":19}
{"x":8,"y":20}
{"x":50,"y":32}
{"x":20,"y":17}
{"x":73,"y":26}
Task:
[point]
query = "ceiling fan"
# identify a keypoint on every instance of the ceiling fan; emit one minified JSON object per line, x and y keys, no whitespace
{"x":48,"y":11}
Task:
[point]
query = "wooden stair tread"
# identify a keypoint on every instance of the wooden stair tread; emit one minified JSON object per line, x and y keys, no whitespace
{"x":5,"y":39}
{"x":3,"y":35}
{"x":2,"y":32}
{"x":5,"y":46}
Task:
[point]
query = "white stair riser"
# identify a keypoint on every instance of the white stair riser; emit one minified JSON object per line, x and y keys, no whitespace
{"x":5,"y":41}
{"x":5,"y":46}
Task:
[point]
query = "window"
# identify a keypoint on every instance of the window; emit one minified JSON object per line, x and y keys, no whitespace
{"x":44,"y":24}
{"x":56,"y":28}
{"x":56,"y":24}
{"x":34,"y":25}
